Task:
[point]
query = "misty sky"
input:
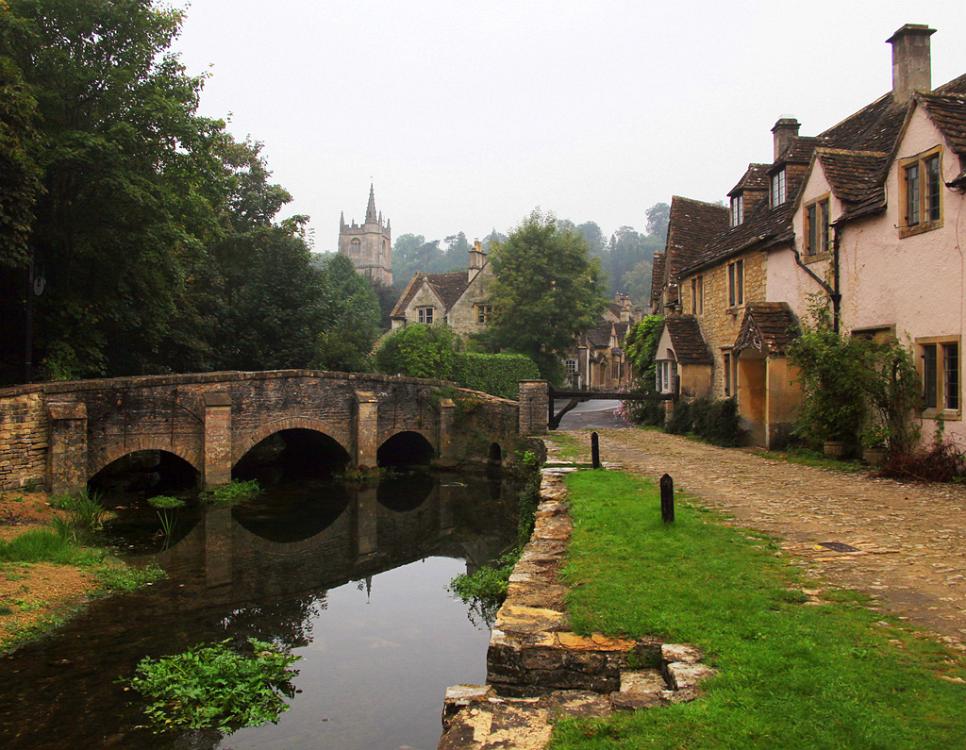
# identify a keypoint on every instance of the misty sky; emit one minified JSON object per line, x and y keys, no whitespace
{"x":467,"y":116}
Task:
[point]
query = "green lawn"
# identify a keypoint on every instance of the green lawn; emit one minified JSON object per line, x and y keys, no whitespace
{"x":792,"y":675}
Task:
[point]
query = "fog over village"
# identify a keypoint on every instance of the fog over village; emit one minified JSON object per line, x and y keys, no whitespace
{"x":415,"y":375}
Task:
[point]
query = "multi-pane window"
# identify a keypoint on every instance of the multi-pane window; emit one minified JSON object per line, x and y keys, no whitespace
{"x":483,"y":313}
{"x":816,"y":227}
{"x":736,"y":283}
{"x":778,"y":188}
{"x":571,"y":366}
{"x":666,"y":372}
{"x":737,"y":210}
{"x":425,"y":314}
{"x":697,"y":295}
{"x":940,"y":375}
{"x":920,"y":182}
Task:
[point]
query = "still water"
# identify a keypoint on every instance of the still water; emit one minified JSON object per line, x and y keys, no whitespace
{"x":352,"y":579}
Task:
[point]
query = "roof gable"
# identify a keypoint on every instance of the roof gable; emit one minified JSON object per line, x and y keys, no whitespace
{"x":768,"y":327}
{"x":690,"y":226}
{"x":686,"y":340}
{"x":948,"y":113}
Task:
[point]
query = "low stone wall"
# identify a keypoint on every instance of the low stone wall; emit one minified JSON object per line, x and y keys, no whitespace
{"x":538,"y":670}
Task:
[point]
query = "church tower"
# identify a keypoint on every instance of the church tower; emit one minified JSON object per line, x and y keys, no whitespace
{"x":368,"y":246}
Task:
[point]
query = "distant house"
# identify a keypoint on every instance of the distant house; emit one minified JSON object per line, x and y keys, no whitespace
{"x":459,"y":299}
{"x":598,"y":360}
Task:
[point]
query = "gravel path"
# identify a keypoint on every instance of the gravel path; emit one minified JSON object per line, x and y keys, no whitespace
{"x":909,"y":540}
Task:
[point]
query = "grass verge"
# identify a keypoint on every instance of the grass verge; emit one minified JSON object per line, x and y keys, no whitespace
{"x":568,"y":447}
{"x":815,"y":459}
{"x":792,"y":674}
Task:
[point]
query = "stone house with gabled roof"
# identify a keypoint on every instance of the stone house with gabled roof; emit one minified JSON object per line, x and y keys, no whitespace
{"x":866,"y":215}
{"x":460,"y":299}
{"x":878,"y":226}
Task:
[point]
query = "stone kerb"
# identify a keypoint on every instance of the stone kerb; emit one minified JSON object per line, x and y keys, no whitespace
{"x":539,"y":671}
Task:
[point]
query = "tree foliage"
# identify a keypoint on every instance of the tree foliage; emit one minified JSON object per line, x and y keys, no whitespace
{"x":420,"y":351}
{"x":349,"y":316}
{"x":546,"y":291}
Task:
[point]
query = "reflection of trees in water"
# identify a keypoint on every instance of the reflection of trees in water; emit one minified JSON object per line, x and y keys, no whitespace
{"x":287,"y":622}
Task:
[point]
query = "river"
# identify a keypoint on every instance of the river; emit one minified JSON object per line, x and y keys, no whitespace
{"x":353,"y":579}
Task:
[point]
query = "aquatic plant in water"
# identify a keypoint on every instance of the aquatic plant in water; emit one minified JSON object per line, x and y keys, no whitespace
{"x":215,"y":687}
{"x":167,"y":510}
{"x":236,"y":492}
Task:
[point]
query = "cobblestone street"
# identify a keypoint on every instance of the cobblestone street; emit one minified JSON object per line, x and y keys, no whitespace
{"x":909,"y":540}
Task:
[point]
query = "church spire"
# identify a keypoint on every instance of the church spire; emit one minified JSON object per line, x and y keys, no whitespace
{"x":342,"y":221}
{"x":371,"y":208}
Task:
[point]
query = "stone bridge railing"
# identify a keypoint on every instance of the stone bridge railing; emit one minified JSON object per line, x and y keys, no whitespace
{"x":59,"y":435}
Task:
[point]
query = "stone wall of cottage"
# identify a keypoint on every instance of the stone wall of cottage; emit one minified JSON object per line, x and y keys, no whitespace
{"x":424,"y":297}
{"x":464,"y":315}
{"x":719,"y":322}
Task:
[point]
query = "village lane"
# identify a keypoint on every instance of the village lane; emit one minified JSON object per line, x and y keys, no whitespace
{"x":909,"y":540}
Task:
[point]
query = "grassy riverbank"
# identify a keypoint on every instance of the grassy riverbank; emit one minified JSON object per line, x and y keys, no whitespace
{"x":800,"y":667}
{"x":51,"y":564}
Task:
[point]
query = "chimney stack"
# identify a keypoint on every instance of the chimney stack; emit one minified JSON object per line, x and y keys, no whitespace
{"x":911,"y":65}
{"x":784,"y":131}
{"x":477,"y":259}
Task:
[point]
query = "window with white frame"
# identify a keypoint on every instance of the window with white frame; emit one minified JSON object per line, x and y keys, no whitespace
{"x":778,"y":188}
{"x":737,"y":209}
{"x":425,"y":314}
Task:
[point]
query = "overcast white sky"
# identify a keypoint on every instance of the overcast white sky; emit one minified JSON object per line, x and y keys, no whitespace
{"x":468,"y":115}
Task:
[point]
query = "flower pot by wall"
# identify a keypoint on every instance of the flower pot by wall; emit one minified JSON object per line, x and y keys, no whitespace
{"x":834,"y":448}
{"x":874,"y":456}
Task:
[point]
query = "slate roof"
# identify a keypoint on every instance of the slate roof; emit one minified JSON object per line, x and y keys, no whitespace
{"x":690,"y":226}
{"x":448,"y":287}
{"x":599,"y":335}
{"x":754,"y":178}
{"x":658,"y":272}
{"x":689,"y":345}
{"x":798,"y":151}
{"x":768,"y":327}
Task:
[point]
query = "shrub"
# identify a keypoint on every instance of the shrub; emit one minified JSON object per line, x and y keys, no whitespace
{"x":681,"y":422}
{"x":641,"y":346}
{"x":215,"y":687}
{"x":942,"y":461}
{"x":499,"y":374}
{"x":420,"y":351}
{"x":235,"y":492}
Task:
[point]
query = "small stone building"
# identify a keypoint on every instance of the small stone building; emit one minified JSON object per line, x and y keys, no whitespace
{"x":598,"y":361}
{"x":459,"y":299}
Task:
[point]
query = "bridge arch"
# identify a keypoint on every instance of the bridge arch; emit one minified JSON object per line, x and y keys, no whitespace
{"x":116,"y":452}
{"x":244,"y":443}
{"x":406,"y":448}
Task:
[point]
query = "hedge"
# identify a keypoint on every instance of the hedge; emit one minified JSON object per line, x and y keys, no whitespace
{"x":498,"y":374}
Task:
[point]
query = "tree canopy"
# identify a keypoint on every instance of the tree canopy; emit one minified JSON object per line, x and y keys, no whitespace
{"x":350,"y":318}
{"x":546,"y":291}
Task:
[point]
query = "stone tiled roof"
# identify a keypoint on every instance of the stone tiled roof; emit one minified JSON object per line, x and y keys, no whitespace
{"x":658,"y":272}
{"x":856,"y":177}
{"x":754,"y":178}
{"x":798,"y":151}
{"x":875,"y":127}
{"x":690,"y":226}
{"x":448,"y":287}
{"x":686,"y":338}
{"x":768,"y":327}
{"x":949,"y":114}
{"x":599,"y":335}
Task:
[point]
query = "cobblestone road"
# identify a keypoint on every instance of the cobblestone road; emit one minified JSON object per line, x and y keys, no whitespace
{"x":910,"y":539}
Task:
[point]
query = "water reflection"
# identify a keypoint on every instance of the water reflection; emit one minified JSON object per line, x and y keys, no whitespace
{"x":353,"y":578}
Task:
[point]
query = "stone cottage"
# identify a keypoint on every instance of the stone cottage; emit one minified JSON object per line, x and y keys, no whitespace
{"x":459,"y":299}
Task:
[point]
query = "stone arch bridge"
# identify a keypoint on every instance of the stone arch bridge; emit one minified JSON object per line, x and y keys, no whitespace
{"x":59,"y":435}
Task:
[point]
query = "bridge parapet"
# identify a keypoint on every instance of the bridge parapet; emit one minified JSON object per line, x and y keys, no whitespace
{"x":61,"y":434}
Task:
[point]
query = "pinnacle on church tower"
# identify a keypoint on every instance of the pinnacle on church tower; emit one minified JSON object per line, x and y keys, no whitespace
{"x":371,"y":208}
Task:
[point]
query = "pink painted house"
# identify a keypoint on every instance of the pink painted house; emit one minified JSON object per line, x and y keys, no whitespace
{"x":879,"y":226}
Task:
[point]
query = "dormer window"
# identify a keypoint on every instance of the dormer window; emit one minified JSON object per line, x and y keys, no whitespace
{"x":737,"y":209}
{"x":778,"y":188}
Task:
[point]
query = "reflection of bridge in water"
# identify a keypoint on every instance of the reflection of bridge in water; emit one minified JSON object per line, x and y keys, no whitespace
{"x":253,"y":552}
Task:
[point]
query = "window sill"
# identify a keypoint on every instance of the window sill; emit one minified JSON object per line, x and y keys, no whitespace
{"x":919,"y":229}
{"x":946,"y":415}
{"x":818,"y":257}
{"x":735,"y":309}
